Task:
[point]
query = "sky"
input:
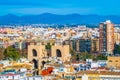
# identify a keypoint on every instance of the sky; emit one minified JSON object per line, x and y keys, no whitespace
{"x":83,"y":7}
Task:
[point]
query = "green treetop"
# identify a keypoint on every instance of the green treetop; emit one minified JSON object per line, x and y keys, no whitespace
{"x":11,"y":53}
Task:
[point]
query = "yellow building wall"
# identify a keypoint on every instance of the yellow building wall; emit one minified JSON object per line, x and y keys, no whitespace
{"x":93,"y":76}
{"x":113,"y":61}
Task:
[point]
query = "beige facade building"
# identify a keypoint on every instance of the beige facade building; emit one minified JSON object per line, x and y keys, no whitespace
{"x":113,"y":61}
{"x":79,"y":45}
{"x":117,"y":37}
{"x":95,"y":45}
{"x":106,"y":39}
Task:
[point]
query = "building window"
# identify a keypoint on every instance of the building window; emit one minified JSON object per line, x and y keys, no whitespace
{"x":116,"y":61}
{"x":34,"y":52}
{"x":110,"y":60}
{"x":58,"y":53}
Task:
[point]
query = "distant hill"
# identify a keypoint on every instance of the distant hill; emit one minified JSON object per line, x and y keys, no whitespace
{"x":48,"y":18}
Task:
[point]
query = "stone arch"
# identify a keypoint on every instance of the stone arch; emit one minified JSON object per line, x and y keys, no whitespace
{"x":58,"y":53}
{"x":35,"y":63}
{"x":34,"y":52}
{"x":43,"y":63}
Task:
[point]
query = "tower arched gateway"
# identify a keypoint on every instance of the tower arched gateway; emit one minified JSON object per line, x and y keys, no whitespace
{"x":60,"y":51}
{"x":35,"y":54}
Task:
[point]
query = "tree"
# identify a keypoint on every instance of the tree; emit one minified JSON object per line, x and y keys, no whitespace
{"x":1,"y":53}
{"x":74,"y":55}
{"x":11,"y":53}
{"x":101,"y":57}
{"x":72,"y":52}
{"x":81,"y":56}
{"x":117,"y":49}
{"x":48,"y":46}
{"x":85,"y":55}
{"x":77,"y":57}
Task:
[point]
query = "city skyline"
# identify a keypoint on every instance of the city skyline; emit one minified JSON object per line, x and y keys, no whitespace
{"x":31,"y":7}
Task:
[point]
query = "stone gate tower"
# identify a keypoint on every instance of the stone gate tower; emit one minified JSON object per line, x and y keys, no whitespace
{"x":62,"y":52}
{"x":35,"y":54}
{"x":38,"y":52}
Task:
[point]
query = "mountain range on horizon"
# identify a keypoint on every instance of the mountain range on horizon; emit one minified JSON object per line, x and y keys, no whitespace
{"x":49,"y":18}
